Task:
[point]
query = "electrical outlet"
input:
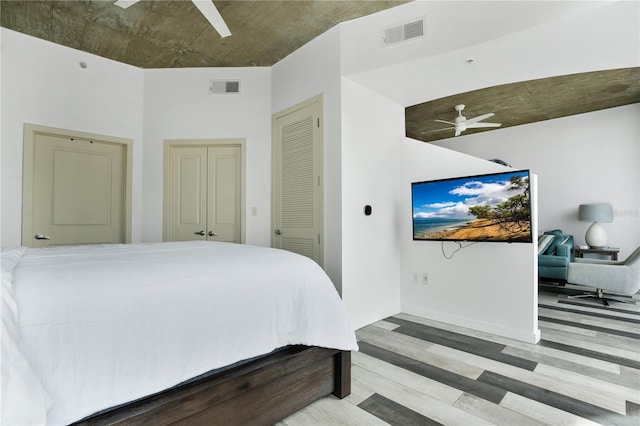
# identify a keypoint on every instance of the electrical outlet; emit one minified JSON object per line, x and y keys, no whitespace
{"x":424,"y":278}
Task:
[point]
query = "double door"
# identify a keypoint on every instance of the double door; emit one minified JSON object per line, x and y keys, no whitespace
{"x":204,"y":193}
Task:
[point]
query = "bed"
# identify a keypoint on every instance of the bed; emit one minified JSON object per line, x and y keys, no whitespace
{"x":188,"y":332}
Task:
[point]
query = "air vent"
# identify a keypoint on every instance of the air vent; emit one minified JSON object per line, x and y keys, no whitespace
{"x":217,"y":87}
{"x":408,"y":31}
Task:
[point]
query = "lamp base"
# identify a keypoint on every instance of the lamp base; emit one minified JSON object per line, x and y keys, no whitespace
{"x":596,"y":237}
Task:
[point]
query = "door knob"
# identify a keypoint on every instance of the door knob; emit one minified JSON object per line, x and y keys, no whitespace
{"x":41,"y":237}
{"x":212,"y":234}
{"x":278,"y":232}
{"x":199,"y":232}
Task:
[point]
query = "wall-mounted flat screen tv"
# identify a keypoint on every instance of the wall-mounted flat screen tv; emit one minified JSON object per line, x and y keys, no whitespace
{"x":492,"y":207}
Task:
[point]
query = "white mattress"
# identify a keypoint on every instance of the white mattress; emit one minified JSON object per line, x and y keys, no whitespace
{"x":104,"y":325}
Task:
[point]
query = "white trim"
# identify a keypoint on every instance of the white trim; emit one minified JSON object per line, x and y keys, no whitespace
{"x":375,"y":316}
{"x":529,"y":337}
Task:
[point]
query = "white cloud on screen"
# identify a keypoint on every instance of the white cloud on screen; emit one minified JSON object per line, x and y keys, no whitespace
{"x":477,"y":193}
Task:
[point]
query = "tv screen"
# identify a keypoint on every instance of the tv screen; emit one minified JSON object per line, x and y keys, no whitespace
{"x":491,"y":207}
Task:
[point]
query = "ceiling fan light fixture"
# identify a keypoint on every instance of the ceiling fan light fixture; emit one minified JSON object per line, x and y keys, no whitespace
{"x":462,"y":123}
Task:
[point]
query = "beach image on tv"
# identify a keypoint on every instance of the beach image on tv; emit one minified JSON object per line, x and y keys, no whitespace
{"x":492,"y":207}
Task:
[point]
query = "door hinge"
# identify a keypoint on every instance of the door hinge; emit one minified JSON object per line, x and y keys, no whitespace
{"x":318,"y":239}
{"x":318,"y":122}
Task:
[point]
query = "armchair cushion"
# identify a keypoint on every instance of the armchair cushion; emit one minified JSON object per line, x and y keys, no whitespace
{"x":615,"y":277}
{"x":553,"y":262}
{"x":559,"y":239}
{"x":550,"y":261}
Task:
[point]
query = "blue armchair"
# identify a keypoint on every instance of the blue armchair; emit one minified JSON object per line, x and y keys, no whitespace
{"x":555,"y":251}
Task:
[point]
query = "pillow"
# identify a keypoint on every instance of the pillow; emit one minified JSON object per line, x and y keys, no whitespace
{"x":553,"y":247}
{"x":544,"y":242}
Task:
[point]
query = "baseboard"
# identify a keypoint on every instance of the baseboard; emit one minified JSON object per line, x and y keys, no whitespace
{"x":525,"y":336}
{"x":375,"y":316}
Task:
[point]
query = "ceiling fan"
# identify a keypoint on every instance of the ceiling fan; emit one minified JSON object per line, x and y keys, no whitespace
{"x":462,"y":123}
{"x":206,"y":7}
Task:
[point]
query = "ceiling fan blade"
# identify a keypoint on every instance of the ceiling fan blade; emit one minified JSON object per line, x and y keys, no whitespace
{"x":126,"y":3}
{"x":437,"y":130}
{"x":209,"y":10}
{"x":446,"y":122}
{"x":478,"y":118}
{"x":458,"y":131}
{"x":477,"y":125}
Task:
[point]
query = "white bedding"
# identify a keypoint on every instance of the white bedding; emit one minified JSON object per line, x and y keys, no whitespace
{"x":104,"y":325}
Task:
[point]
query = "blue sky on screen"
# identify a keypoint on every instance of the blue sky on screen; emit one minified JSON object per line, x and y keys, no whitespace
{"x":451,"y":198}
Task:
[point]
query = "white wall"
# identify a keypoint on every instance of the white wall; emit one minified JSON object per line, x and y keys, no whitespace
{"x":450,"y":26}
{"x":606,"y":37}
{"x":177,"y":105}
{"x":490,"y":287}
{"x":315,"y":69}
{"x":372,"y":125}
{"x":43,"y":84}
{"x":592,"y":157}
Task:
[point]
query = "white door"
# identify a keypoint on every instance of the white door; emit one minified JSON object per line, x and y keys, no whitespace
{"x":188,"y":193}
{"x":204,"y":197}
{"x":297,"y":180}
{"x":224,"y":194}
{"x":75,"y":191}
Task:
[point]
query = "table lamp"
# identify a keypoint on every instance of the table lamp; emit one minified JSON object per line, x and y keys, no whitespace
{"x":596,"y":237}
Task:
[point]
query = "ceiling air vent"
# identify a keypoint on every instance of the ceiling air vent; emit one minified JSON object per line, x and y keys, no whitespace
{"x":398,"y":33}
{"x":217,"y":87}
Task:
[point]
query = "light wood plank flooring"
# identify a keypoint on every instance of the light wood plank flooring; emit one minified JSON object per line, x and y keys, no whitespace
{"x":412,"y":371}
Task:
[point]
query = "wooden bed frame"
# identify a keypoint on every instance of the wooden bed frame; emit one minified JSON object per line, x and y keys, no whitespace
{"x":261,"y":392}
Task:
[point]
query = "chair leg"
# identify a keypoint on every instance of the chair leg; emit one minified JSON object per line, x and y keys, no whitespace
{"x":599,"y":295}
{"x":621,"y":300}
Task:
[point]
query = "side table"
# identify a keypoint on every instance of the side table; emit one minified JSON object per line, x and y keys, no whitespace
{"x":612,"y":252}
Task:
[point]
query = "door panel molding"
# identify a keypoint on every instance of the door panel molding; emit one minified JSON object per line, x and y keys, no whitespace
{"x":170,"y":144}
{"x":31,"y":133}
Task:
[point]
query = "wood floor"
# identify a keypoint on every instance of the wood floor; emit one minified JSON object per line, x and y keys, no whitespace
{"x":410,"y":371}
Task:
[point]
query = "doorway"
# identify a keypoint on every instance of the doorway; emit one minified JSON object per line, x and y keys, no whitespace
{"x":298,"y":180}
{"x":204,"y":190}
{"x":76,"y":188}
